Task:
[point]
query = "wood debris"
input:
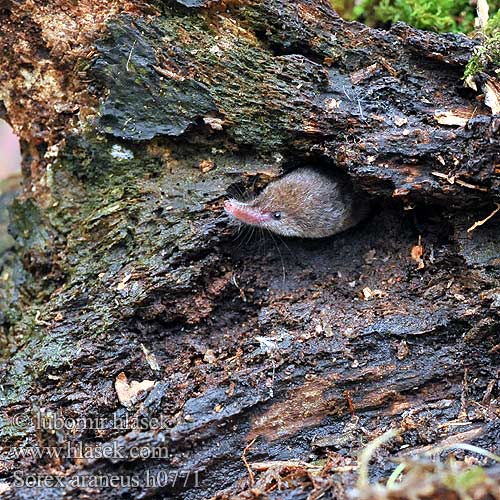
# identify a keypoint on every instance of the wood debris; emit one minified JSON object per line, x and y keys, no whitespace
{"x":481,"y":222}
{"x":417,"y":253}
{"x":128,"y":393}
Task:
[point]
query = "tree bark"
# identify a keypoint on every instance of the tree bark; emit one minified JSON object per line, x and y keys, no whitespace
{"x":136,"y":120}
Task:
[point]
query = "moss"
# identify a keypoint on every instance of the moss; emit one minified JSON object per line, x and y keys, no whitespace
{"x":141,"y":103}
{"x":26,"y":226}
{"x":435,"y":15}
{"x":122,"y":210}
{"x":35,"y":245}
{"x":236,"y":78}
{"x":487,"y":55}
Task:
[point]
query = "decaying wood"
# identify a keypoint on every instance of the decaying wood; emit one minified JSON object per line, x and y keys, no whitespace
{"x":125,"y":294}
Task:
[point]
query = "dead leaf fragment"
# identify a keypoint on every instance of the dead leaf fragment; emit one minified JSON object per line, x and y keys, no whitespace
{"x":206,"y":165}
{"x":150,"y":358}
{"x":417,"y":252}
{"x":470,"y":82}
{"x":128,"y":393}
{"x":213,"y":123}
{"x":400,"y":121}
{"x":369,"y":294}
{"x":209,"y":357}
{"x":453,"y":118}
{"x":492,"y":95}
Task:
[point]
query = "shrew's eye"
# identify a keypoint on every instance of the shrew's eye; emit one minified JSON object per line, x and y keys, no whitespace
{"x":277,"y":215}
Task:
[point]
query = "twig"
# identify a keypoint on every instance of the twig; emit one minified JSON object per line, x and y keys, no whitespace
{"x":453,"y":180}
{"x":264,"y":466}
{"x":471,"y":186}
{"x":169,"y":74}
{"x":251,"y":475}
{"x":481,"y":222}
{"x":130,"y":55}
{"x":463,"y":397}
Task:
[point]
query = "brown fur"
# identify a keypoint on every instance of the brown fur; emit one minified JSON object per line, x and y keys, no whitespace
{"x":311,"y":204}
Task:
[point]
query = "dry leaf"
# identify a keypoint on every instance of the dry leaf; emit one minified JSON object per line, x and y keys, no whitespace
{"x":470,"y":82}
{"x":150,"y":358}
{"x":209,"y":357}
{"x":492,"y":95}
{"x":417,"y":252}
{"x":400,"y":121}
{"x":214,"y":123}
{"x":206,"y":165}
{"x":127,"y":393}
{"x":369,"y":294}
{"x":457,"y":117}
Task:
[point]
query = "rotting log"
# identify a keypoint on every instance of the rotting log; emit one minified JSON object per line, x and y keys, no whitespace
{"x":136,"y":119}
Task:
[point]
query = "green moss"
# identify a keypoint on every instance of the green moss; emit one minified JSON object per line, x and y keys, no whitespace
{"x":239,"y":81}
{"x":435,"y":15}
{"x":35,"y":244}
{"x":27,"y":228}
{"x":119,"y":210}
{"x":466,"y":480}
{"x":487,"y":54}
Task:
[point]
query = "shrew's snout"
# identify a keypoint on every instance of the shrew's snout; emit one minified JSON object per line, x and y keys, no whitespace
{"x":246,"y":214}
